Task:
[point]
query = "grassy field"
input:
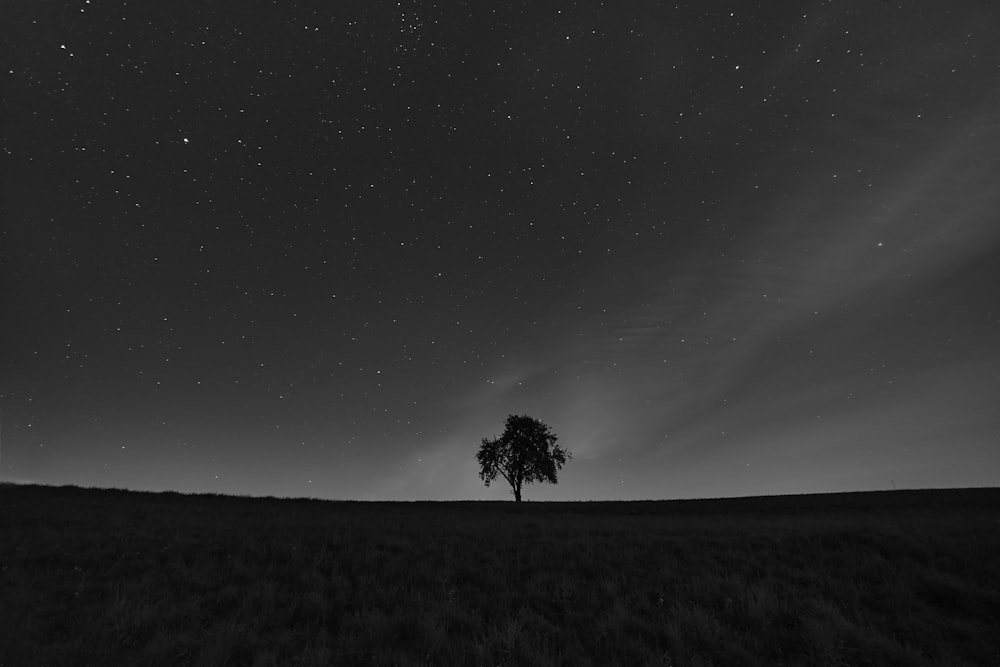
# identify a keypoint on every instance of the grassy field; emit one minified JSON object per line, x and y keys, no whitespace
{"x":103,"y":577}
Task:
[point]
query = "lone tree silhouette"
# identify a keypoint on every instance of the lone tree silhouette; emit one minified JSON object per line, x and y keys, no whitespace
{"x":526,"y":452}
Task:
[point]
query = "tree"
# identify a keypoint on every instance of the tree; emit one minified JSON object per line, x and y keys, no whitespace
{"x":526,"y":452}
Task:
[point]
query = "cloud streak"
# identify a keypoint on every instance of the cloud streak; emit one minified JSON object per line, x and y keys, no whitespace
{"x":783,"y":341}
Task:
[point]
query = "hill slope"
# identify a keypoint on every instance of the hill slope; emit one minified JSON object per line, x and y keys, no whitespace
{"x":117,"y":577}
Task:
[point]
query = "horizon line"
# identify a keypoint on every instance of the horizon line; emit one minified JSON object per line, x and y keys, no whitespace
{"x":472,"y":500}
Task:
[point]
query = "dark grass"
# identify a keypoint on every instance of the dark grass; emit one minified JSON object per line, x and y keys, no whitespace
{"x":104,"y":577}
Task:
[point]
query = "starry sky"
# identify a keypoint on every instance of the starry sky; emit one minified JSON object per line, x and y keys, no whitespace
{"x":322,"y":249}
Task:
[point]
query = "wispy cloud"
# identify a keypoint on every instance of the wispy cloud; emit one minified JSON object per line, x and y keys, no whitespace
{"x":785,"y":338}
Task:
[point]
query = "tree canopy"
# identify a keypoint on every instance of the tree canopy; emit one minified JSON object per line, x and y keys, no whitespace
{"x":526,"y":452}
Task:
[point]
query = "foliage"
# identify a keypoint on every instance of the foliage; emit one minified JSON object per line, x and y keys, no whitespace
{"x":92,"y":577}
{"x":526,"y":453}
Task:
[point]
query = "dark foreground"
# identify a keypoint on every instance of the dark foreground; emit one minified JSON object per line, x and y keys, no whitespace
{"x":94,"y":577}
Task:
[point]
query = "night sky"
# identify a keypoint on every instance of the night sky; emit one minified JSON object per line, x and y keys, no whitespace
{"x":322,"y":249}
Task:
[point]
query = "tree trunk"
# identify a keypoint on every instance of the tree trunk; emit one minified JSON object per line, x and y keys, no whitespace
{"x":517,"y":494}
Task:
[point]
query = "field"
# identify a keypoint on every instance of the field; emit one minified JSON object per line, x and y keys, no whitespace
{"x":106,"y":577}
